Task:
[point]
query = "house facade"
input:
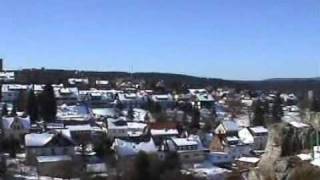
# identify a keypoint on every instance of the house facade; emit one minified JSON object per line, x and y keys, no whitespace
{"x":15,"y":127}
{"x":48,"y":145}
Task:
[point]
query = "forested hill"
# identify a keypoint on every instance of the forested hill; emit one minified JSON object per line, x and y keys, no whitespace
{"x":44,"y":76}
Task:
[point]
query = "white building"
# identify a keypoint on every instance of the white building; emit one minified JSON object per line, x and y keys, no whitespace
{"x":257,"y":137}
{"x":131,"y":99}
{"x":46,"y":145}
{"x":75,"y":114}
{"x":164,"y":100}
{"x":98,"y":98}
{"x":160,"y":135}
{"x":7,"y":76}
{"x":78,"y":81}
{"x":68,"y":96}
{"x":221,"y":158}
{"x":103,"y":84}
{"x":120,"y":128}
{"x":189,"y":149}
{"x":15,"y":127}
{"x":207,"y":171}
{"x":11,"y":92}
{"x":228,"y":128}
{"x":129,"y":148}
{"x":202,"y":98}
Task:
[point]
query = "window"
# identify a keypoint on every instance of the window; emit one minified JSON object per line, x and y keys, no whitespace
{"x":65,"y":150}
{"x":53,"y":152}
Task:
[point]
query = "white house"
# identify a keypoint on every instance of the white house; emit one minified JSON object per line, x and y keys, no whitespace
{"x":220,"y":158}
{"x":245,"y":163}
{"x":48,"y":145}
{"x":207,"y":171}
{"x":15,"y":127}
{"x":164,"y":100}
{"x":98,"y":98}
{"x":129,"y":148}
{"x":202,"y":98}
{"x":228,"y":128}
{"x":7,"y":76}
{"x":103,"y":84}
{"x":257,"y":137}
{"x":11,"y":92}
{"x":119,"y":128}
{"x":139,"y":115}
{"x":68,"y":96}
{"x":159,"y":135}
{"x":189,"y":149}
{"x":75,"y":114}
{"x":78,"y":81}
{"x":104,"y":112}
{"x":130,"y":99}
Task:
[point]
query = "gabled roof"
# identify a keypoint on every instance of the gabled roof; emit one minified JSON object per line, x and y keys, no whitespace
{"x":104,"y":112}
{"x":253,"y":160}
{"x":259,"y":129}
{"x":84,"y":127}
{"x":43,"y":139}
{"x":37,"y":140}
{"x":184,"y":142}
{"x":77,"y":113}
{"x":298,"y":124}
{"x":47,"y":159}
{"x":161,"y":132}
{"x":126,"y":148}
{"x":162,"y":97}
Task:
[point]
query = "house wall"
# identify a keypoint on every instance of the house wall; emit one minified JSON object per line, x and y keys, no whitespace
{"x":260,"y":142}
{"x":192,"y":156}
{"x":166,"y":104}
{"x":112,"y":133}
{"x":219,"y":158}
{"x":67,"y":100}
{"x":137,"y":103}
{"x":220,"y":130}
{"x":245,"y":165}
{"x":61,"y":169}
{"x":239,"y":150}
{"x":10,"y":96}
{"x":32,"y":153}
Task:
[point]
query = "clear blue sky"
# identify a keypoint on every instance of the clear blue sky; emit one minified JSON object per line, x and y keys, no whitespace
{"x":232,"y":39}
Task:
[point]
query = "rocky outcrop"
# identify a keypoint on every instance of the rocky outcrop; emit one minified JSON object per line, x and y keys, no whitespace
{"x":278,"y":162}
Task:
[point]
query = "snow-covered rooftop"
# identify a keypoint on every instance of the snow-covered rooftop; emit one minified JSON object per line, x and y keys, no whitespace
{"x":298,"y":124}
{"x":126,"y":148}
{"x":232,"y":139}
{"x":305,"y":157}
{"x":85,"y":127}
{"x":38,"y":140}
{"x":249,"y":159}
{"x":184,"y":142}
{"x":42,"y":159}
{"x":157,"y":132}
{"x":259,"y":129}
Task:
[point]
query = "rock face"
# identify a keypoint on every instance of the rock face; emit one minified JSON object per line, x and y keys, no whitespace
{"x":284,"y":141}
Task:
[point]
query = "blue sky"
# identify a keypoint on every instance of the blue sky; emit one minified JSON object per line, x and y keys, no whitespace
{"x":231,"y":39}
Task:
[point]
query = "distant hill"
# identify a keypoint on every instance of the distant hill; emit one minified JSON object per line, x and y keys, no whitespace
{"x":60,"y":76}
